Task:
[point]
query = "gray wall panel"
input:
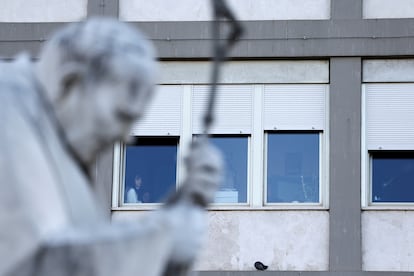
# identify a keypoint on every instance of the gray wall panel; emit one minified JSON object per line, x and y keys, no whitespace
{"x":345,"y":175}
{"x":103,"y":8}
{"x":349,"y":9}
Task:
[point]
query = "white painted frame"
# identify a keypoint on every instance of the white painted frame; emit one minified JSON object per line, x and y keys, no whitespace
{"x":118,"y":187}
{"x":366,"y":169}
{"x":247,"y":204}
{"x":323,"y":177}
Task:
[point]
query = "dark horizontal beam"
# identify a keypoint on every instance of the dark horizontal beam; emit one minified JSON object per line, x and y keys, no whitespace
{"x":263,"y":39}
{"x":271,"y":30}
{"x":22,"y":32}
{"x":285,"y":29}
{"x":302,"y":273}
{"x":9,"y":50}
{"x":289,"y":39}
{"x":293,"y":48}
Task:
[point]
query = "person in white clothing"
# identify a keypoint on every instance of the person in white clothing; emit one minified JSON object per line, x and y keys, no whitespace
{"x":132,"y":195}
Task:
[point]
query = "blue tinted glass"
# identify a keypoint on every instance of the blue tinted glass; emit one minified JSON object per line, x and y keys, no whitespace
{"x":293,"y":167}
{"x":393,"y":177}
{"x":150,"y":170}
{"x":234,"y":187}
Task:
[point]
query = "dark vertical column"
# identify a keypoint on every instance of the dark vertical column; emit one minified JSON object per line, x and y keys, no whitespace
{"x":345,"y":165}
{"x":346,"y":9}
{"x":103,"y":8}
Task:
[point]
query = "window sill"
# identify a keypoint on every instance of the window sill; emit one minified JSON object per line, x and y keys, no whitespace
{"x":389,"y":207}
{"x":235,"y":207}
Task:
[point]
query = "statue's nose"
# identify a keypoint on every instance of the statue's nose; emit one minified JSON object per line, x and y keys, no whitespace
{"x":126,"y":115}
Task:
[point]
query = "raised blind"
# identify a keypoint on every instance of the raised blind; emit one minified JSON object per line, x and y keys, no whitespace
{"x":232,"y":112}
{"x":294,"y":107}
{"x":390,"y":116}
{"x":163,"y":116}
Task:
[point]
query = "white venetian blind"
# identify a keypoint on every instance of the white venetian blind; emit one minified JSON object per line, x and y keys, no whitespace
{"x":163,"y":116}
{"x":390,"y":116}
{"x":233,"y":109}
{"x":294,"y":107}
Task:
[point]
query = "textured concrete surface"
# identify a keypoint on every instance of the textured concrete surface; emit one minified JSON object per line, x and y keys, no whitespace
{"x":283,"y":240}
{"x":190,"y":10}
{"x":388,"y":70}
{"x":42,"y":10}
{"x":388,"y":240}
{"x":388,"y":9}
{"x":288,"y":240}
{"x":292,"y":71}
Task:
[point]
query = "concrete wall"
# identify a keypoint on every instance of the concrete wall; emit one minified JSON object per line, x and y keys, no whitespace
{"x":200,"y":10}
{"x":388,"y":240}
{"x":284,"y":240}
{"x":388,"y":70}
{"x":388,"y":9}
{"x":42,"y":10}
{"x":246,"y":72}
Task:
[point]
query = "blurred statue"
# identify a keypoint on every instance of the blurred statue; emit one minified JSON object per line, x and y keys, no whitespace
{"x":92,"y":81}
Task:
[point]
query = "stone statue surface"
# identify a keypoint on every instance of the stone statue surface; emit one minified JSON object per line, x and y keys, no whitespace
{"x":92,"y":81}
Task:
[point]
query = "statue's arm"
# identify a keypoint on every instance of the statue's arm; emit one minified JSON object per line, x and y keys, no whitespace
{"x":122,"y":249}
{"x":187,"y":206}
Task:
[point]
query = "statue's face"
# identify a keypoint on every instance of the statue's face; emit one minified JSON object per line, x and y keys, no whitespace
{"x":117,"y":103}
{"x":96,"y":113}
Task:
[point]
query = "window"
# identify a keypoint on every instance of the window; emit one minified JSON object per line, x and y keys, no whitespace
{"x":388,"y":144}
{"x":231,"y":132}
{"x":273,"y":137}
{"x":150,"y":169}
{"x":293,"y":167}
{"x":234,"y":186}
{"x":392,"y":176}
{"x":295,"y":133}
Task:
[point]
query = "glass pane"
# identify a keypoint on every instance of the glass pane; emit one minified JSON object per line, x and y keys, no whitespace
{"x":293,"y":167}
{"x":393,"y":177}
{"x":150,"y":170}
{"x":234,"y":187}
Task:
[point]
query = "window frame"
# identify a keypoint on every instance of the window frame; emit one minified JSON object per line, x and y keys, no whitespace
{"x":366,"y":164}
{"x":248,"y":175}
{"x":119,"y":165}
{"x":367,"y":203}
{"x":323,"y":180}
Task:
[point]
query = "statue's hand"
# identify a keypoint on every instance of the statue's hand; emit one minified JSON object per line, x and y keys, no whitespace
{"x":185,"y":210}
{"x":205,"y":173}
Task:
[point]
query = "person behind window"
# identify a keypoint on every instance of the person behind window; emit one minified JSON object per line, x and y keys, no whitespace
{"x":132,"y":194}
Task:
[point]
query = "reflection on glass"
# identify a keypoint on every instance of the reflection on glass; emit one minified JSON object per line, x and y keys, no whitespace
{"x":234,"y":187}
{"x":292,"y":167}
{"x":150,"y":169}
{"x":393,"y":177}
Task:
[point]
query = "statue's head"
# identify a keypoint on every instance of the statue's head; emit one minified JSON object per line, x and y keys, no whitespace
{"x":99,"y":75}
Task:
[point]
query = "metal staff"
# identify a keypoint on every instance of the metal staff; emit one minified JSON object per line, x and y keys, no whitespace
{"x":221,"y":48}
{"x":220,"y":51}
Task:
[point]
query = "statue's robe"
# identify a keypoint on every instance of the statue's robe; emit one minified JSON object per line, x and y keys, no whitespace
{"x":50,"y":222}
